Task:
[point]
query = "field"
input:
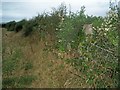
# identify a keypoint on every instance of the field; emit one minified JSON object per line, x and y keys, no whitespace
{"x":56,"y":50}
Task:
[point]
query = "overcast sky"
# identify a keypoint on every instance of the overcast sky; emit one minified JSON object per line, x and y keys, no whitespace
{"x":20,"y":9}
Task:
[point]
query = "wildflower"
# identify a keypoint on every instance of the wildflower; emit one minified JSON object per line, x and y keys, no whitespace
{"x":93,"y":27}
{"x":102,"y":24}
{"x":111,"y":19}
{"x":105,"y":25}
{"x":105,"y":20}
{"x":56,"y":29}
{"x":91,"y":70}
{"x":109,"y":22}
{"x":73,"y":41}
{"x":116,"y":15}
{"x":62,"y":19}
{"x":69,"y":47}
{"x":99,"y":28}
{"x":60,"y":29}
{"x":110,"y":25}
{"x":105,"y":34}
{"x":59,"y":40}
{"x":59,"y":54}
{"x":106,"y":29}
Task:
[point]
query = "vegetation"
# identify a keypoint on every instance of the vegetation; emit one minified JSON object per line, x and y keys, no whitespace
{"x":11,"y":66}
{"x":19,"y":25}
{"x":10,"y":25}
{"x":18,"y":82}
{"x":97,"y":59}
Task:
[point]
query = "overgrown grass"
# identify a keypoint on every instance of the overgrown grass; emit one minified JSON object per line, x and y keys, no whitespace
{"x":28,"y":65}
{"x":11,"y":66}
{"x":10,"y":63}
{"x":18,"y":82}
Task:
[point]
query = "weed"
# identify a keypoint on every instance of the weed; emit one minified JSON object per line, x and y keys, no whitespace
{"x":18,"y":82}
{"x":26,"y":80}
{"x":9,"y":82}
{"x":28,"y":66}
{"x":10,"y":63}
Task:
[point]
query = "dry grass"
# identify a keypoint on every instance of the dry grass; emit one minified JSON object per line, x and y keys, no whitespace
{"x":49,"y":70}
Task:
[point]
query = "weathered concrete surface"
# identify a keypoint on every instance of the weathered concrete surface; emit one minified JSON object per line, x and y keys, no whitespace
{"x":88,"y":29}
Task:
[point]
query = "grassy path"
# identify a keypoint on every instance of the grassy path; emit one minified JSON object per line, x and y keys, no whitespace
{"x":49,"y":71}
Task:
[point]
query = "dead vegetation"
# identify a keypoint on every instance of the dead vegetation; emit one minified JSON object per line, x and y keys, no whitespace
{"x":48,"y":69}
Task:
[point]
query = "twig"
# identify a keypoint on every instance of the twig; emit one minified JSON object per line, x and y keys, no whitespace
{"x":67,"y":82}
{"x":105,"y":50}
{"x":74,"y":73}
{"x":31,"y":48}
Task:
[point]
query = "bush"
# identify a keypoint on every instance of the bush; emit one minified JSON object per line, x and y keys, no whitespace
{"x":19,"y":25}
{"x":29,"y":26}
{"x":3,"y":25}
{"x":70,"y":30}
{"x":10,"y":25}
{"x":18,"y":82}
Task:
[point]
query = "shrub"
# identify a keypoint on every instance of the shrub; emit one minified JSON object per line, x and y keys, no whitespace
{"x":19,"y":25}
{"x":3,"y":25}
{"x":10,"y":25}
{"x":70,"y":30}
{"x":29,"y":26}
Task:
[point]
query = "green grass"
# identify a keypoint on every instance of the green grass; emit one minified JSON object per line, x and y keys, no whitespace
{"x":10,"y":63}
{"x":26,"y":80}
{"x":18,"y":82}
{"x":9,"y":82}
{"x":28,"y":66}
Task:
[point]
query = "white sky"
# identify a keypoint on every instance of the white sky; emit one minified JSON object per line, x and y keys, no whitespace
{"x":19,"y":9}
